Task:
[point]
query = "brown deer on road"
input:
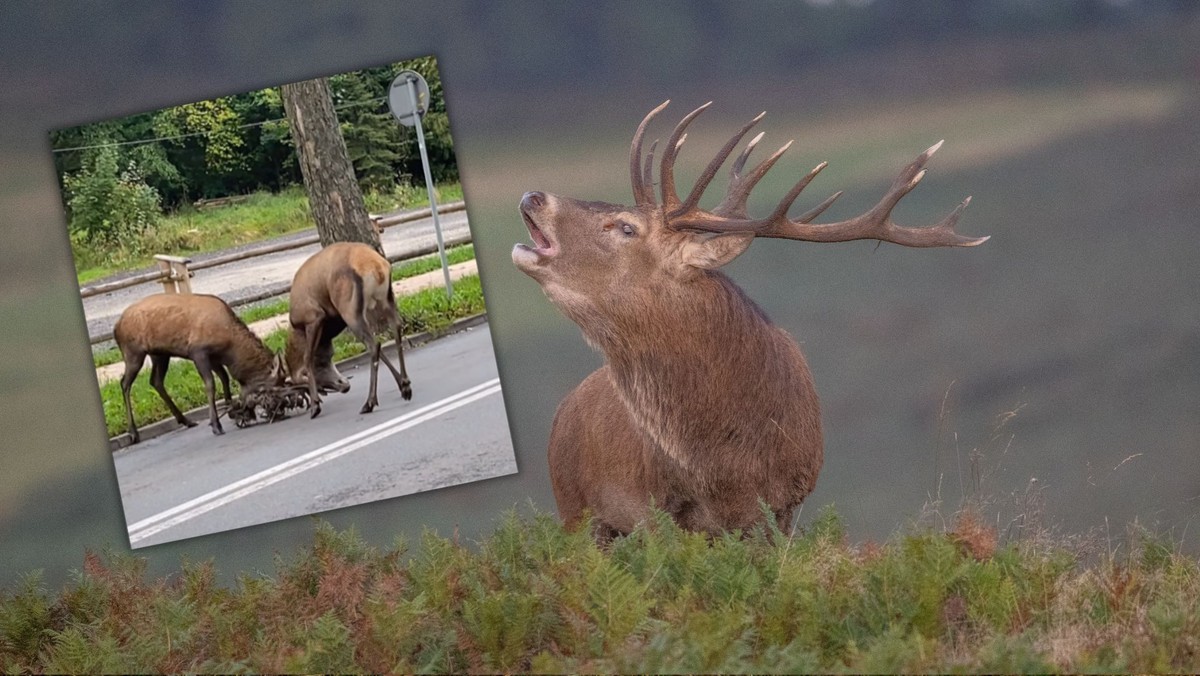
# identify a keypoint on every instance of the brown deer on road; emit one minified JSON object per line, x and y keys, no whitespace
{"x":345,"y":285}
{"x":703,"y":407}
{"x":201,"y":328}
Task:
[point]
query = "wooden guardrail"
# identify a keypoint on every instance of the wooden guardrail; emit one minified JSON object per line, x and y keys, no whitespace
{"x":202,"y":204}
{"x":163,"y":275}
{"x":174,"y":272}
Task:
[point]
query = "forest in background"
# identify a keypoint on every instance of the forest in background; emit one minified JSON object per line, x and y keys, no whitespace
{"x":119,"y":177}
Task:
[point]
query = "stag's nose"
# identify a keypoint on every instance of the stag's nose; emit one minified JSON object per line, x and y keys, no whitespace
{"x":533,"y":200}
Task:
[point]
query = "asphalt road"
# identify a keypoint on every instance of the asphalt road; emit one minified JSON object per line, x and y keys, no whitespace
{"x":189,"y":482}
{"x":253,"y":275}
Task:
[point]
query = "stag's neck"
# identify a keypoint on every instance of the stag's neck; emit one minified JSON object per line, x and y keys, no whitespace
{"x":707,"y":321}
{"x":709,"y":378}
{"x":250,"y":362}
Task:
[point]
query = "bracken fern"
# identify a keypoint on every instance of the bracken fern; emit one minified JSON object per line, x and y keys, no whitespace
{"x":534,"y":597}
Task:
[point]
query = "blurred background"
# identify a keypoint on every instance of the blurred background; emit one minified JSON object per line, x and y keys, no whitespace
{"x":1052,"y":374}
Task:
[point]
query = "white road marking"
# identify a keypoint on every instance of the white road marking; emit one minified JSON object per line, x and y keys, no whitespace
{"x":191,"y":509}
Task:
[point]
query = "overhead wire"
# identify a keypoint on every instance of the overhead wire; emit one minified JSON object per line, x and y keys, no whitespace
{"x":159,"y":139}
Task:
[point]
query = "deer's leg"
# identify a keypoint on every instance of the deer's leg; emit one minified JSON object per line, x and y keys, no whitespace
{"x":360,"y":331}
{"x":159,"y":363}
{"x":223,"y":374}
{"x":204,"y":366}
{"x":402,"y":380}
{"x":133,"y":364}
{"x":312,"y":335}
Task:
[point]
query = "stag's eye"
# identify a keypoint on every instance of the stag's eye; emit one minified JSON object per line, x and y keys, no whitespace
{"x":627,"y":229}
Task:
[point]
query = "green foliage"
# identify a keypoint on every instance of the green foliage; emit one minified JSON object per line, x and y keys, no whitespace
{"x":118,"y":176}
{"x":109,"y":207}
{"x":430,"y":309}
{"x":241,"y":144}
{"x":213,"y":125}
{"x":24,"y":622}
{"x":384,"y":198}
{"x":374,"y":140}
{"x":533,"y":597}
{"x":327,"y":648}
{"x":188,"y":231}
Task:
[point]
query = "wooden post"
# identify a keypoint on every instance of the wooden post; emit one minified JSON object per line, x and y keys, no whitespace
{"x":176,"y":276}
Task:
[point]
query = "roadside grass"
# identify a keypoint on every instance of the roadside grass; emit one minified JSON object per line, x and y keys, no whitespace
{"x":533,"y":597}
{"x":260,"y":216}
{"x":426,"y":310}
{"x":417,"y":266}
{"x":406,"y":196}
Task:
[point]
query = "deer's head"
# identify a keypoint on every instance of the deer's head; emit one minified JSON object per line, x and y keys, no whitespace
{"x":329,"y":379}
{"x":588,"y":254}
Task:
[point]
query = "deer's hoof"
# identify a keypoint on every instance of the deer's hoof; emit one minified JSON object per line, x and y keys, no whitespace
{"x":314,"y":411}
{"x":406,"y":390}
{"x":368,"y":407}
{"x":218,"y":431}
{"x":188,"y":423}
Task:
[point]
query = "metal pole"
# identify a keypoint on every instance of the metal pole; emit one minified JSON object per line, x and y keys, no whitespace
{"x":437,"y":225}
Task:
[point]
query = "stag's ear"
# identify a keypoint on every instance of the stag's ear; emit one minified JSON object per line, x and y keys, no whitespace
{"x":710,"y":252}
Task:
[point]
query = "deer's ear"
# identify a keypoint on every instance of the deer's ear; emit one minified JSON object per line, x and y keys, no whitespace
{"x":710,"y":252}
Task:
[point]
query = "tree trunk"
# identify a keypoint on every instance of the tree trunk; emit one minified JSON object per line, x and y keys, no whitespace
{"x":334,"y":198}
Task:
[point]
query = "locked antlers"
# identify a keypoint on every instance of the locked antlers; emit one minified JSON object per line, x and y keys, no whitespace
{"x":730,"y":215}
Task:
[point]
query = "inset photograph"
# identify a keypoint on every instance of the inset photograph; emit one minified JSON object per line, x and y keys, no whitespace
{"x":282,"y":302}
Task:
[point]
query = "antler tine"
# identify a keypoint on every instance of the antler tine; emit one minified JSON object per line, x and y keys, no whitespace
{"x":736,"y":170}
{"x":819,"y":209}
{"x":786,"y":203}
{"x":648,"y":171}
{"x":643,"y":187}
{"x":666,"y":172}
{"x":877,"y":222}
{"x":740,"y":187}
{"x":710,"y":171}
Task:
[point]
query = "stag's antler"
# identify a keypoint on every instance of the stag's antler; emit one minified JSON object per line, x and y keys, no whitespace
{"x":730,"y":215}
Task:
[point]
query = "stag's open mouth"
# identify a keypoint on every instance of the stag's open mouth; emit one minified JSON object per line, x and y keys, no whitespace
{"x":544,"y":246}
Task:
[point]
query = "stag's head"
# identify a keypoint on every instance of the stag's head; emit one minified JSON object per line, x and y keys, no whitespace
{"x":587,"y":253}
{"x":329,"y":379}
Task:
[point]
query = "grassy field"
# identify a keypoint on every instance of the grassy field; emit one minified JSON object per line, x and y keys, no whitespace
{"x":427,"y":310}
{"x":259,"y":217}
{"x":533,"y":597}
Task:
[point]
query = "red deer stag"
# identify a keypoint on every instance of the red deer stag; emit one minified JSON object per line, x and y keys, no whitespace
{"x":203,"y":329}
{"x":344,"y":285}
{"x":703,"y":407}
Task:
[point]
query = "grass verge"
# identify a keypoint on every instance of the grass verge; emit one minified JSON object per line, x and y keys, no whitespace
{"x":427,"y":310}
{"x":260,"y":216}
{"x":417,"y":266}
{"x":532,"y":597}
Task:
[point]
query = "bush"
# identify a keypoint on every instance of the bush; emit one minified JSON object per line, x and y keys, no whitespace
{"x":533,"y":597}
{"x":108,"y":207}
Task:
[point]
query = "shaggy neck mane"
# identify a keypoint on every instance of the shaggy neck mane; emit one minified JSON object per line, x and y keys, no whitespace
{"x":253,"y":360}
{"x":701,"y":362}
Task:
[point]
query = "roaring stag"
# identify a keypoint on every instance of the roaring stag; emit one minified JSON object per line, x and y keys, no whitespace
{"x":203,"y":329}
{"x":703,"y":407}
